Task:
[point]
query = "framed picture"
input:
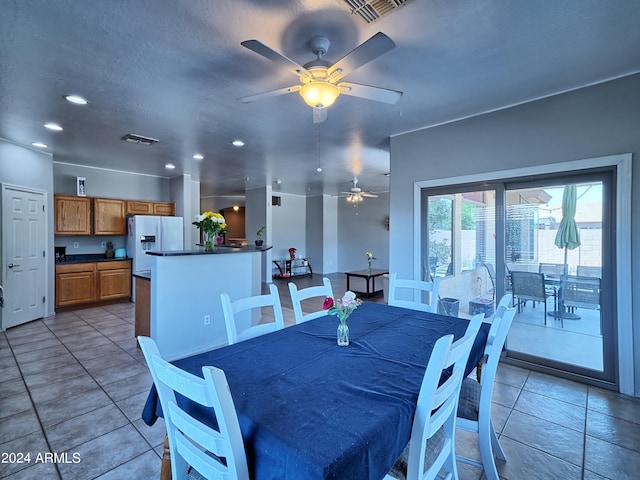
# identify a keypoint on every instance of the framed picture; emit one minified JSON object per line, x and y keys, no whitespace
{"x":81,"y":187}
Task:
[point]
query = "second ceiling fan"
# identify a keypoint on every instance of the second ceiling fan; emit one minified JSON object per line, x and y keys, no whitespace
{"x":320,"y":81}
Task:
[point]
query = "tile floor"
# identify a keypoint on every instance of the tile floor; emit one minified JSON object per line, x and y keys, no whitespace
{"x":75,"y":383}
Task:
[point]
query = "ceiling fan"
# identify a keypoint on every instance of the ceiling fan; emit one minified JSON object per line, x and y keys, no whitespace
{"x":355,"y":194}
{"x":320,"y":81}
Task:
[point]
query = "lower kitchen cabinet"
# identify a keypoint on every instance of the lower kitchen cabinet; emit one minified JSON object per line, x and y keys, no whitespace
{"x":90,"y":282}
{"x":114,"y":280}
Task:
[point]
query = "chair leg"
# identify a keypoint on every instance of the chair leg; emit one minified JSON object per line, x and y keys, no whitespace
{"x":495,"y":443}
{"x":485,"y":439}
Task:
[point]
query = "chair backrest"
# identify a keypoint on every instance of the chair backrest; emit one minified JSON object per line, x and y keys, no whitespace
{"x":551,"y":268}
{"x":190,"y":438}
{"x":418,"y":287}
{"x":438,"y":404}
{"x":583,"y":292}
{"x":587,"y":271}
{"x":528,"y":285}
{"x":232,"y":309}
{"x":496,"y":338}
{"x":297,"y":296}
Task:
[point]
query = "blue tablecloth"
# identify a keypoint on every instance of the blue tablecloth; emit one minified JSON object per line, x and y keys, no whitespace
{"x":309,"y":409}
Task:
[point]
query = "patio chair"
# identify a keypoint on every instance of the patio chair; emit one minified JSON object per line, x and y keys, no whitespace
{"x":247,"y":305}
{"x":432,"y":444}
{"x":198,"y":450}
{"x":551,"y":268}
{"x":529,"y":286}
{"x":581,"y":292}
{"x":431,"y":288}
{"x":297,"y":296}
{"x":586,"y":271}
{"x":474,"y":409}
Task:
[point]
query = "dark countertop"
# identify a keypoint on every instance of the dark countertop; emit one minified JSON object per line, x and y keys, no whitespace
{"x":89,"y":258}
{"x":218,"y":250}
{"x":144,"y":275}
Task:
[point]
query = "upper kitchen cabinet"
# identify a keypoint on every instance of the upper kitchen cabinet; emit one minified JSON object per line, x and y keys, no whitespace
{"x":73,"y":215}
{"x":109,"y":217}
{"x":139,"y":207}
{"x":167,"y":209}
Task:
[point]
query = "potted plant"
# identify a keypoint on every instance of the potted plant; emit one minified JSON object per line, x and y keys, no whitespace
{"x":259,"y":235}
{"x":110,"y":252}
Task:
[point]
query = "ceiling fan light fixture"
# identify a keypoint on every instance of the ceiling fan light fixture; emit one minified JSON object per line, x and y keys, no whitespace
{"x":319,"y":94}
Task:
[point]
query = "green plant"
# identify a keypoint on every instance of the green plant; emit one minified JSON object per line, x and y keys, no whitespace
{"x":260,"y":231}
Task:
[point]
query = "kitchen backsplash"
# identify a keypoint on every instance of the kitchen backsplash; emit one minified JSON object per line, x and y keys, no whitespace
{"x":87,"y":244}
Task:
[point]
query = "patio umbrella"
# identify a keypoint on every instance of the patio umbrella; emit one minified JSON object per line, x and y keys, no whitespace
{"x":568,"y":236}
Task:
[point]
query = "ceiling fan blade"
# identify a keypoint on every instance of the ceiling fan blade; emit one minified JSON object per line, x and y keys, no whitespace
{"x":369,"y":194}
{"x":364,"y":53}
{"x":272,"y":93}
{"x":319,"y":115}
{"x":377,"y":94}
{"x":269,"y":53}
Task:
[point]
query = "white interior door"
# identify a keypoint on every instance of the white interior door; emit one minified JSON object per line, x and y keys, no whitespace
{"x":23,"y":246}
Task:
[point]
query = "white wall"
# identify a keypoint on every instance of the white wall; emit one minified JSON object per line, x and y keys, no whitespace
{"x":30,"y":168}
{"x":592,"y":122}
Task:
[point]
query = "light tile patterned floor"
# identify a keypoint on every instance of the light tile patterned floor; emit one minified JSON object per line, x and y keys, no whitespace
{"x":76,"y":383}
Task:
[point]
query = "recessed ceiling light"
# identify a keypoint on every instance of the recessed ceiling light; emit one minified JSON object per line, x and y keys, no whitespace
{"x":40,"y":145}
{"x":319,"y":169}
{"x":238,"y":143}
{"x":198,"y":156}
{"x":170,"y":166}
{"x":53,"y":126}
{"x":77,"y":99}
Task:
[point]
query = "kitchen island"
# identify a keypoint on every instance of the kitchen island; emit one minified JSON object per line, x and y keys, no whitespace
{"x":185,"y":310}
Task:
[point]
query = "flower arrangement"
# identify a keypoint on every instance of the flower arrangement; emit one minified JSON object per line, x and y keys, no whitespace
{"x":342,"y":308}
{"x":370,"y":259}
{"x":292,"y":253}
{"x":211,"y":224}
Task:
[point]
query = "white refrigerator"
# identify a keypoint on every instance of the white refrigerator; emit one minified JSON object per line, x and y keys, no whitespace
{"x":146,"y":233}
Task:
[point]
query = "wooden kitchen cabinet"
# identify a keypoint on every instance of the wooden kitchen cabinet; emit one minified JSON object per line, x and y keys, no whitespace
{"x":162,"y":208}
{"x":90,"y":282}
{"x":75,"y":284}
{"x":109,"y":217}
{"x":113,"y":280}
{"x":72,"y":214}
{"x":139,"y":207}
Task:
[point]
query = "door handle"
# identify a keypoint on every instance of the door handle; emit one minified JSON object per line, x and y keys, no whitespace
{"x":11,"y":265}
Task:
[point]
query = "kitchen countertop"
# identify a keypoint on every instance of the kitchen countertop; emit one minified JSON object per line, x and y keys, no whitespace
{"x":219,"y":249}
{"x":89,"y":258}
{"x":144,"y":275}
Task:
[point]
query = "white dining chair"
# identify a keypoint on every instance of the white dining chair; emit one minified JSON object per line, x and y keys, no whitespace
{"x":418,"y":287}
{"x":474,"y":409}
{"x":432,"y":444}
{"x":197,"y":450}
{"x":297,"y":296}
{"x":244,"y":309}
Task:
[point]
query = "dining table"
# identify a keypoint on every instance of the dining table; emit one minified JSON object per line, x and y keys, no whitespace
{"x":310,"y":409}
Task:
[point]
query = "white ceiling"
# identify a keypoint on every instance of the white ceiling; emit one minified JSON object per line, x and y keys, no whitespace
{"x":174,"y":69}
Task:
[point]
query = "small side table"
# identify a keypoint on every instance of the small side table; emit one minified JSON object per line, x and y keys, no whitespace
{"x":370,"y":279}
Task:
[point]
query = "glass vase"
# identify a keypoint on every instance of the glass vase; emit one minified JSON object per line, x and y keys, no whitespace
{"x":369,"y":269}
{"x":209,"y":242}
{"x":343,"y":334}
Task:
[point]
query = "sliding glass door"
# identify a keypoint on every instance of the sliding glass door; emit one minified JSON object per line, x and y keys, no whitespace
{"x":545,"y":242}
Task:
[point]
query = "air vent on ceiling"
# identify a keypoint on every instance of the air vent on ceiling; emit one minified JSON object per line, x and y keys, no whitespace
{"x":372,"y":10}
{"x":132,"y":137}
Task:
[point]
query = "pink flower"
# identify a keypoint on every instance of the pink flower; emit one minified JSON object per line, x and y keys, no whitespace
{"x":348,"y":298}
{"x":327,"y":304}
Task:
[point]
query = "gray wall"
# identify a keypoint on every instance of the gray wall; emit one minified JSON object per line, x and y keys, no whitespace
{"x":33,"y":169}
{"x":288,"y":227}
{"x":592,"y":122}
{"x":102,"y":182}
{"x":362,"y":229}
